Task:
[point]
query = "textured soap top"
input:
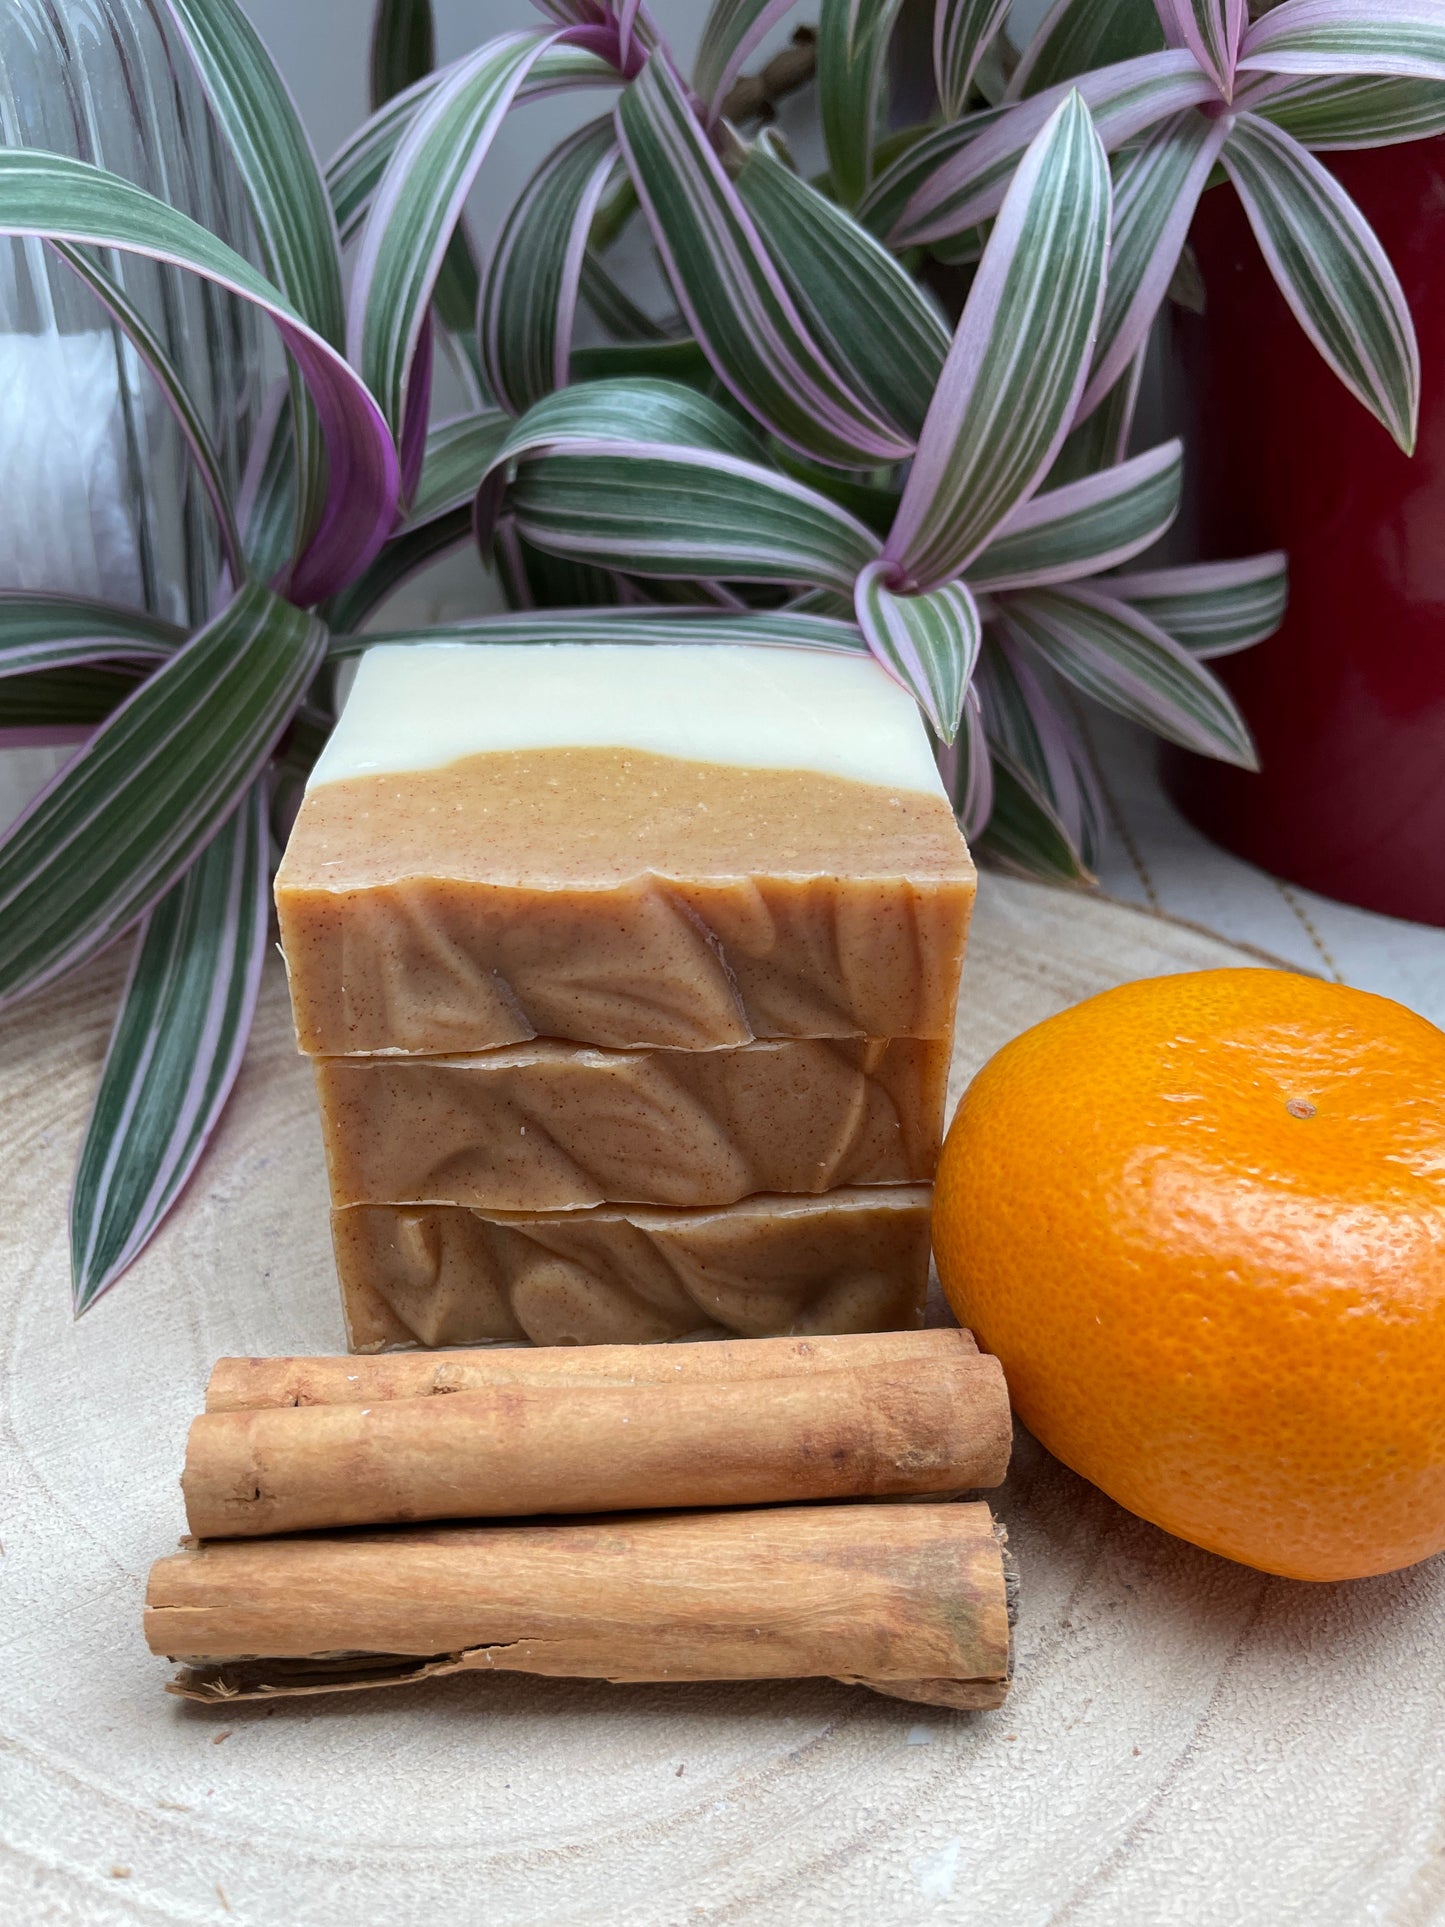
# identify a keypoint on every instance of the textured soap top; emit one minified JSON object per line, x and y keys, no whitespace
{"x":423,"y":706}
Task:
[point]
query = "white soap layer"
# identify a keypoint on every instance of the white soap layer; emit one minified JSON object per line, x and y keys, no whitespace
{"x":417,"y":706}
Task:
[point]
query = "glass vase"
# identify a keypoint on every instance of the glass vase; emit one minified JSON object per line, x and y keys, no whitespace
{"x":100,"y":498}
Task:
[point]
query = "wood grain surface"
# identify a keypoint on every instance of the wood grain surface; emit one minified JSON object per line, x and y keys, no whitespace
{"x":1187,"y":1741}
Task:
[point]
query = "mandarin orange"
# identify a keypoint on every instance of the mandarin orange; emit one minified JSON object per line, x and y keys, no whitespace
{"x":1201,"y":1221}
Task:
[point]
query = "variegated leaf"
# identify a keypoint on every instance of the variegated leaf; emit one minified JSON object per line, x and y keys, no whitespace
{"x":630,"y":410}
{"x":289,"y":206}
{"x":903,"y":173}
{"x":1403,"y":37}
{"x":273,"y":152}
{"x":1025,"y":833}
{"x":152,"y":351}
{"x":411,"y":443}
{"x":43,"y":631}
{"x":679,"y":362}
{"x":131,"y":811}
{"x":403,"y":52}
{"x":403,"y":47}
{"x":970,"y":185}
{"x":779,"y":628}
{"x":1211,"y":30}
{"x":1157,"y":186}
{"x":266,"y":504}
{"x":179,"y":1037}
{"x":1018,"y":359}
{"x":405,"y":555}
{"x":48,"y":707}
{"x":529,"y":291}
{"x":613,"y":306}
{"x":417,"y":204}
{"x":1085,"y":526}
{"x":733,"y":297}
{"x":358,"y":164}
{"x":458,"y":454}
{"x":1101,"y":439}
{"x":732,"y":30}
{"x":356,"y":169}
{"x":970,"y":780}
{"x":963,"y":31}
{"x":879,"y":327}
{"x":658,"y":510}
{"x":928,"y":643}
{"x":1130,"y":665}
{"x":874,"y":506}
{"x":57,"y":198}
{"x":532,"y":579}
{"x":852,"y":51}
{"x":1076,"y":36}
{"x":1331,"y":270}
{"x":1339,"y":113}
{"x":1212,"y":608}
{"x":1029,"y":728}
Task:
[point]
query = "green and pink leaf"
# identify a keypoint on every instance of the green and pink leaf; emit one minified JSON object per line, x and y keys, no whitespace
{"x":133,"y":809}
{"x":175,"y":1051}
{"x":1086,"y":526}
{"x":963,"y":32}
{"x":529,"y":291}
{"x":852,"y":54}
{"x":1123,"y":660}
{"x":730,"y":33}
{"x":1210,"y":608}
{"x":927,"y":642}
{"x":1077,"y":36}
{"x":1016,"y":368}
{"x":1157,"y":186}
{"x":1353,"y":37}
{"x":1331,"y":269}
{"x":735,"y":301}
{"x":1211,"y":30}
{"x":969,"y":184}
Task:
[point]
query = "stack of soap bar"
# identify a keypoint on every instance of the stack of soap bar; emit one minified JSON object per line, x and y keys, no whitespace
{"x":629,"y":975}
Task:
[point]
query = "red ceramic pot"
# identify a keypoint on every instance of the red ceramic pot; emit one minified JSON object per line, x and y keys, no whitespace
{"x":1347,"y":701}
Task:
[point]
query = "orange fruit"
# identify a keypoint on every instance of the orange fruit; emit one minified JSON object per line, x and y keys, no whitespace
{"x":1201,"y":1222}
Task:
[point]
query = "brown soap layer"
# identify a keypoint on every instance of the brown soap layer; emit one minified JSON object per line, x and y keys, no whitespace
{"x":619,"y":898}
{"x":851,"y":1261}
{"x":937,"y":1423}
{"x":912,"y":1599}
{"x":552,"y":1127}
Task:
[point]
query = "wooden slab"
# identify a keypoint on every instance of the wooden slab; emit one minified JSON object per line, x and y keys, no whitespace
{"x":1188,"y":1741}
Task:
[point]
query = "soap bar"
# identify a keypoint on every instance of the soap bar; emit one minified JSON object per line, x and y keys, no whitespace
{"x":854,"y":1261}
{"x":549,"y":1126}
{"x":676,"y":845}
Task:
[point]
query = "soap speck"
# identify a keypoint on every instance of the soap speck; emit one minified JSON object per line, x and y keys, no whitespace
{"x":919,"y":1736}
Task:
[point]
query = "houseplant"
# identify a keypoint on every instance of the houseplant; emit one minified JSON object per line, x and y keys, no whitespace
{"x":809,"y":456}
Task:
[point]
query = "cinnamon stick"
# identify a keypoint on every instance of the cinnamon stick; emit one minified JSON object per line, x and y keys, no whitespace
{"x":238,"y":1384}
{"x":910,"y":1600}
{"x":557,"y":1437}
